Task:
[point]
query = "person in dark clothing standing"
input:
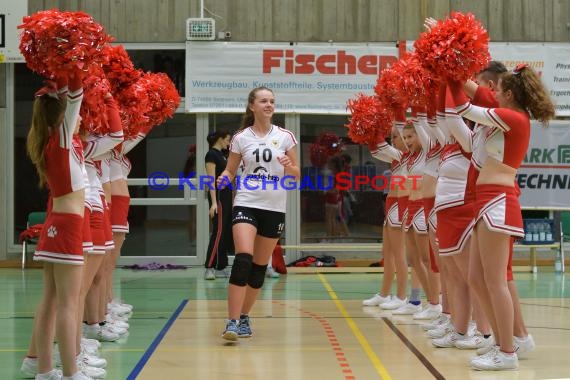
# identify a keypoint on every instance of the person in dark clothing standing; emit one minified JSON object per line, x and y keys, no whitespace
{"x":220,"y":201}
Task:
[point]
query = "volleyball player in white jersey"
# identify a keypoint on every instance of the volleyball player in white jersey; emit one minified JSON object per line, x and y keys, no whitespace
{"x":269,"y":154}
{"x":392,"y":236}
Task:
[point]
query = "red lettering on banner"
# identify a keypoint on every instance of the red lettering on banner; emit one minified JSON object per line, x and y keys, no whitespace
{"x":330,"y":64}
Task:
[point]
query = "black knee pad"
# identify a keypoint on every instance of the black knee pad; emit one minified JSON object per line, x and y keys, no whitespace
{"x":257,"y":275}
{"x":241,"y":269}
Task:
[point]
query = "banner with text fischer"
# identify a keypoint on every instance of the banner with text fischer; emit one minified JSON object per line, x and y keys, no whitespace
{"x":550,"y":60}
{"x":544,"y":176}
{"x":316,"y":78}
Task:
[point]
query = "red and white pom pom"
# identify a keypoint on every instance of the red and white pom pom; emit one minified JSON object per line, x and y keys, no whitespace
{"x":118,"y":67}
{"x":331,"y":142}
{"x":55,"y":43}
{"x":163,"y":97}
{"x":370,"y":119}
{"x":133,"y":107}
{"x":318,"y":155}
{"x":389,"y":87}
{"x":93,"y":110}
{"x":417,"y":83}
{"x":456,"y":48}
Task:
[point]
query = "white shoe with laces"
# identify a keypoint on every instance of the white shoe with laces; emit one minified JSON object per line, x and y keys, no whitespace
{"x":54,"y":374}
{"x":407,"y":309}
{"x":429,"y":312}
{"x":475,"y":342}
{"x":442,"y":319}
{"x":376,"y":300}
{"x":29,"y":368}
{"x":524,"y":345}
{"x":439,"y":332}
{"x":393,"y":304}
{"x":91,"y":372}
{"x":496,"y":361}
{"x":449,"y":340}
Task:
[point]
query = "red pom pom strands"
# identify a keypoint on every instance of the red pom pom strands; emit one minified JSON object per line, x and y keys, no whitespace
{"x":162,"y":95}
{"x":370,"y":120}
{"x":417,"y":84}
{"x":388,"y":87}
{"x":318,"y":155}
{"x":53,"y":43}
{"x":118,"y":67}
{"x":331,"y":142}
{"x":455,"y":48}
{"x":93,"y":110}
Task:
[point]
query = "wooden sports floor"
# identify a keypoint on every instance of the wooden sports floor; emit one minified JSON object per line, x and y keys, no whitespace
{"x":306,"y":326}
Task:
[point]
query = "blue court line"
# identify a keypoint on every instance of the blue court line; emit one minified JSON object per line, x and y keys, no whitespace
{"x":150,"y":350}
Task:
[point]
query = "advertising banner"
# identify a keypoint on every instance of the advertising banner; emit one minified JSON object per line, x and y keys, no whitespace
{"x":311,"y":78}
{"x":544,"y":176}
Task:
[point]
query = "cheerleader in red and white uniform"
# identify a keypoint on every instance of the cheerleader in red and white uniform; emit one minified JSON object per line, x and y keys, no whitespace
{"x":482,"y":94}
{"x":520,"y":94}
{"x":61,"y":166}
{"x":415,"y":227}
{"x":94,"y":148}
{"x":392,"y":236}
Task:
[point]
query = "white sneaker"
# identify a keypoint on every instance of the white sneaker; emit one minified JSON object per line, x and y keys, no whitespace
{"x":376,"y":300}
{"x":439,"y":332}
{"x":429,"y":312}
{"x":91,"y":343}
{"x":448,"y":340}
{"x":442,"y":319}
{"x":209,"y":274}
{"x":407,"y":309}
{"x":492,"y":351}
{"x":109,"y":327}
{"x":29,"y":368}
{"x":500,"y":361}
{"x":118,"y":309}
{"x":485,"y":350}
{"x":471,"y":328}
{"x":270,"y":273}
{"x":222,"y":273}
{"x":524,"y":345}
{"x":54,"y":374}
{"x":92,"y":361}
{"x":91,"y":372}
{"x":97,"y":332}
{"x":116,"y":301}
{"x":394,"y":303}
{"x":115,"y":321}
{"x":475,"y":342}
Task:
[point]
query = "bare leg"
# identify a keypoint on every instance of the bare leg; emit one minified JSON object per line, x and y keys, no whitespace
{"x":263,"y":249}
{"x":416,"y":251}
{"x":477,"y":283}
{"x":244,"y":238}
{"x":519,"y":328}
{"x":68,"y":285}
{"x":44,"y":323}
{"x":461,"y":292}
{"x":494,"y":249}
{"x":434,"y":278}
{"x":389,"y":264}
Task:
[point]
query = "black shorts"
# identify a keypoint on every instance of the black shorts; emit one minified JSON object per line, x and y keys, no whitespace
{"x":269,"y":224}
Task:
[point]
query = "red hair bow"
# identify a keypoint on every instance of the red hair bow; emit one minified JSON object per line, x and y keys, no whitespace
{"x":49,"y":88}
{"x":519,"y":68}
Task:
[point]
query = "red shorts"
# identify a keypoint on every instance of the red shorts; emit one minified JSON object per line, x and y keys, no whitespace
{"x":392,"y":213}
{"x":499,"y":207}
{"x":87,"y":239}
{"x":402,"y":207}
{"x":97,"y":233}
{"x":61,"y":239}
{"x":109,"y":243}
{"x":416,"y":217}
{"x":429,"y":213}
{"x":120,"y":213}
{"x":454,"y":228}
